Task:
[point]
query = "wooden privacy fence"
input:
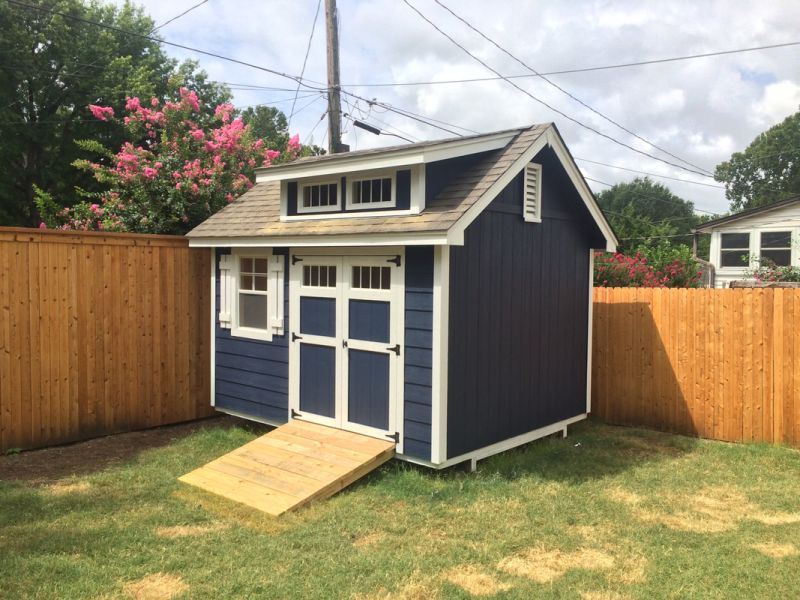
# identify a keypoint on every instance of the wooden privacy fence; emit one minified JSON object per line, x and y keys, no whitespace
{"x":100,"y":333}
{"x":720,"y":364}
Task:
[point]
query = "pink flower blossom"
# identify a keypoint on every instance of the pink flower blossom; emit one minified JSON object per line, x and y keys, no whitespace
{"x":101,"y":112}
{"x":149,"y":172}
{"x":197,"y":134}
{"x":42,"y":225}
{"x":190,"y":98}
{"x":132,"y":104}
{"x":154,"y":102}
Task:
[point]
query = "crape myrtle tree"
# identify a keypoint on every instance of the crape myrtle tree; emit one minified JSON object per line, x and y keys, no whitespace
{"x":52,"y":69}
{"x":178,"y":165}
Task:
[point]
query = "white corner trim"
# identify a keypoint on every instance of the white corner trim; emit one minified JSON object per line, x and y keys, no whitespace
{"x":441,"y":306}
{"x":499,"y":447}
{"x":590,"y":333}
{"x":213,"y":346}
{"x":435,"y":238}
{"x":551,"y":138}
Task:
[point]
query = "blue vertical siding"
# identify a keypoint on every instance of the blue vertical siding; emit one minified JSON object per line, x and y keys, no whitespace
{"x":418,"y":352}
{"x":368,"y":388}
{"x":252,"y":376}
{"x":519,"y":301}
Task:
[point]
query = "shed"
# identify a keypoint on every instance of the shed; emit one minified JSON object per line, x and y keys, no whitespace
{"x":435,"y":294}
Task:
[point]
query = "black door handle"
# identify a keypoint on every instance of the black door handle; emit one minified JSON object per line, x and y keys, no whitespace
{"x":395,"y":349}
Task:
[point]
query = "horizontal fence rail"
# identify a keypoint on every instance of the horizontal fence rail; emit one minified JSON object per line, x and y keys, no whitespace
{"x":100,"y":333}
{"x":719,"y":364}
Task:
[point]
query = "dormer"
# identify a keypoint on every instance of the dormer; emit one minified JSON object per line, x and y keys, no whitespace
{"x":382,"y":182}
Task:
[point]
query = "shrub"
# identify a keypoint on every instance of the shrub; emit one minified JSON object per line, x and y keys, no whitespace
{"x":667,"y":268}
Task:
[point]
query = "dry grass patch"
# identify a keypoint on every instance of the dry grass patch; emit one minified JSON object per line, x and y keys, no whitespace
{"x":158,"y":586}
{"x":474,"y":581}
{"x":182,"y":531}
{"x":619,"y":494}
{"x":604,"y":595}
{"x":415,"y":588}
{"x":544,"y":566}
{"x":369,"y":540}
{"x":775,"y":550}
{"x":63,"y":488}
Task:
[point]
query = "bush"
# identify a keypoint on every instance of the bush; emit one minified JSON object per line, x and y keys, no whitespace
{"x":651,"y":266}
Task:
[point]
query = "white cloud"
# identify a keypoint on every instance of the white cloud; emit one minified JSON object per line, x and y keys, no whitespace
{"x":701,"y":110}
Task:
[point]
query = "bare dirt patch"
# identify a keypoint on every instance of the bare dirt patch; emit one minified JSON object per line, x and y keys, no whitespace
{"x":158,"y":586}
{"x":475,"y":582}
{"x":775,"y":550}
{"x":182,"y":531}
{"x":64,"y":488}
{"x":544,"y":566}
{"x":52,"y":464}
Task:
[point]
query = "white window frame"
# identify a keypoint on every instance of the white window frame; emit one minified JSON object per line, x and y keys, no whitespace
{"x":274,"y":294}
{"x":301,"y":185}
{"x":753,"y":242}
{"x":794,"y":239}
{"x":537,"y":200}
{"x":351,"y":184}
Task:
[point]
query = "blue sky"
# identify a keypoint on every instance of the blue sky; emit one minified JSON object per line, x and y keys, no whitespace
{"x":701,"y":110}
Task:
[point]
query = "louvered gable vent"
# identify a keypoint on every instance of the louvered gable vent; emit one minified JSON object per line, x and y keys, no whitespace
{"x":532,"y":205}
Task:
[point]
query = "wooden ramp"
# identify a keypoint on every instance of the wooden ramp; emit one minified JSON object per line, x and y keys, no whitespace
{"x":291,"y":466}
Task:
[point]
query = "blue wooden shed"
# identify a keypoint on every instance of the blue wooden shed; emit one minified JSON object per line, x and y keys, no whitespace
{"x":436,"y":294}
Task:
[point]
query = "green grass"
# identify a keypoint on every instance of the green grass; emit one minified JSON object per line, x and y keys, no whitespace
{"x":613,"y":513}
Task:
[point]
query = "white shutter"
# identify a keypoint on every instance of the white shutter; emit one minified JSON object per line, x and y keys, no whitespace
{"x":532,"y":190}
{"x":275,"y":297}
{"x":227,"y":288}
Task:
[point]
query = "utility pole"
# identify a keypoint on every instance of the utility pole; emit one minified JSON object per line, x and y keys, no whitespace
{"x":334,"y":98}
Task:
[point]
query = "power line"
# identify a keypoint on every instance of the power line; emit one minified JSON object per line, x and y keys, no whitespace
{"x":543,"y":103}
{"x":176,"y":17}
{"x":611,"y":185}
{"x":577,"y":70}
{"x":305,"y":60}
{"x":595,"y":162}
{"x":564,"y":91}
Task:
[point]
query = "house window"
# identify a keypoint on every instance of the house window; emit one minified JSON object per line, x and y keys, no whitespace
{"x":735,"y":249}
{"x":319,"y":276}
{"x":251,"y":294}
{"x":319,"y":197}
{"x":372,"y":278}
{"x":253,"y":276}
{"x":373,"y":192}
{"x":776,"y":247}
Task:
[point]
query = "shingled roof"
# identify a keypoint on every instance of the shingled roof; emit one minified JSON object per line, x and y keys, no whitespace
{"x":257,"y":212}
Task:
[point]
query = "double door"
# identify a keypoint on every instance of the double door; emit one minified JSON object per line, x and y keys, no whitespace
{"x":345,"y":315}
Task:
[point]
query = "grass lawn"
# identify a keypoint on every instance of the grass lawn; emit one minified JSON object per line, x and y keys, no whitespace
{"x":607,"y":513}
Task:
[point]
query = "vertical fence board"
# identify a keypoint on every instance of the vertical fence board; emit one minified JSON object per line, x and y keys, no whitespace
{"x":722,"y":364}
{"x":100,"y":334}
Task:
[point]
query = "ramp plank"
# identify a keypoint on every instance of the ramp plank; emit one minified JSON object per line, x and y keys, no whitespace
{"x":291,"y":466}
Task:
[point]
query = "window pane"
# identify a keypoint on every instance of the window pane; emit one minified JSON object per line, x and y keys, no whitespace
{"x":386,"y":194}
{"x":332,"y":194}
{"x":365,"y":277}
{"x":356,"y":278}
{"x":253,"y":311}
{"x":776,"y":239}
{"x":306,"y":197}
{"x":386,"y":278}
{"x":260,"y":283}
{"x":246,"y":282}
{"x":260,"y":265}
{"x":736,"y":241}
{"x":323,"y":195}
{"x":306,"y":275}
{"x":734,"y":258}
{"x":332,"y":276}
{"x":315,"y":275}
{"x":247,"y":265}
{"x":782,"y":258}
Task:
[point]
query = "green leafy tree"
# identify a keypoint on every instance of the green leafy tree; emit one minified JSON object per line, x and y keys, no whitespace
{"x":269,"y":124}
{"x":52,"y":69}
{"x":643,"y":211}
{"x":767,"y":171}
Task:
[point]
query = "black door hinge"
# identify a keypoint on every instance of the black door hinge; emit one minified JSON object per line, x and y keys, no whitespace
{"x":296,"y":259}
{"x":395,"y":436}
{"x":395,"y":349}
{"x":296,"y":337}
{"x":295,"y":414}
{"x":395,"y":260}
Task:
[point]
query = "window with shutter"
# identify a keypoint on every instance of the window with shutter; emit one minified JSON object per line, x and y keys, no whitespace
{"x":532,"y":190}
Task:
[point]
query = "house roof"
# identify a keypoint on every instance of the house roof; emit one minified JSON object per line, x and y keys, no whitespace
{"x":713,"y":224}
{"x":255,"y":217}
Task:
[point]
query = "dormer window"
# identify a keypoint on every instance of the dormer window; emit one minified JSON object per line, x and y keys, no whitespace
{"x":319,"y":197}
{"x":375,"y":192}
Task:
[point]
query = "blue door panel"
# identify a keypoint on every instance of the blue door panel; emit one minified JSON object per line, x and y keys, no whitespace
{"x":369,"y":320}
{"x":368,"y":389}
{"x":318,"y":379}
{"x":318,"y":316}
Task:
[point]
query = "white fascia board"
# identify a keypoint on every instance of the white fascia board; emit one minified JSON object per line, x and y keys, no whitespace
{"x":437,"y":238}
{"x":552,"y":139}
{"x":390,"y":159}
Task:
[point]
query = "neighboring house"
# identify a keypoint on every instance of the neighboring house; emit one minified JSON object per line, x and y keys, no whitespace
{"x":739,"y":240}
{"x":437,"y":294}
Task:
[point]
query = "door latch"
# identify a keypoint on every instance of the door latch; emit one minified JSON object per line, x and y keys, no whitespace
{"x":395,"y":349}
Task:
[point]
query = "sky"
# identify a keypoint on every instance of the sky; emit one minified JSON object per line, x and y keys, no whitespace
{"x":700,"y":110}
